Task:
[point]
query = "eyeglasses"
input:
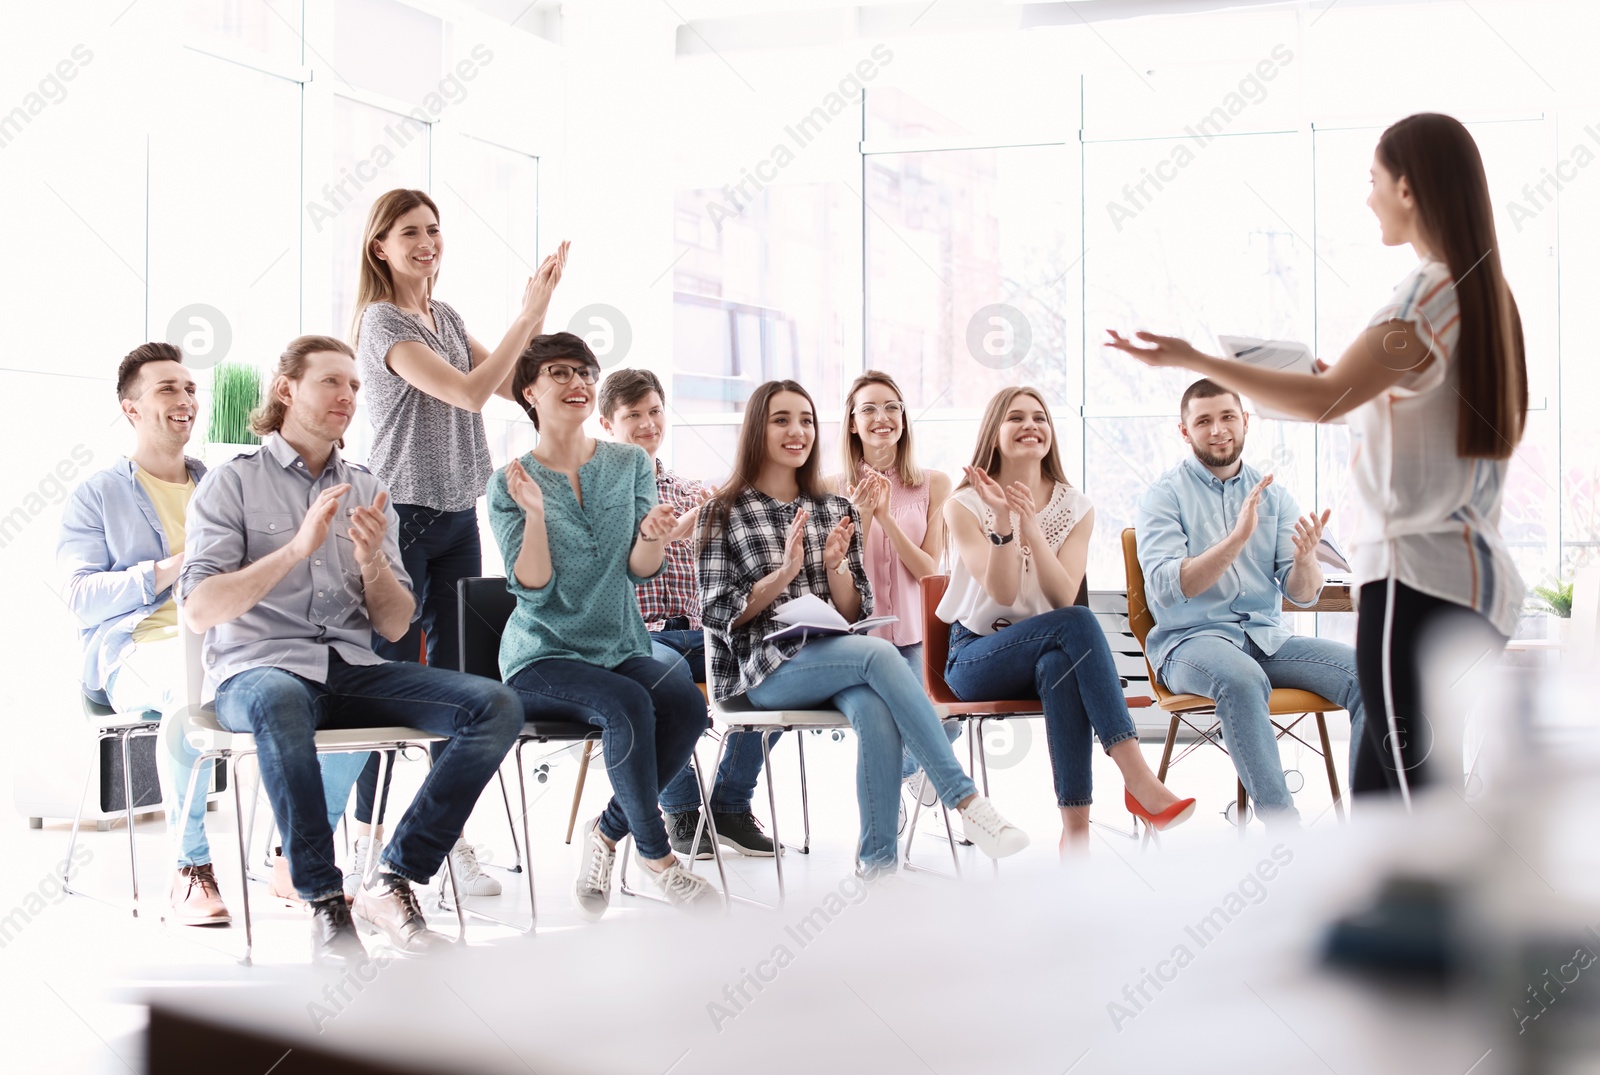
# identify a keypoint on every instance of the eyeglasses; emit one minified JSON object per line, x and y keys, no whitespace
{"x":869,"y":411}
{"x":562,"y":374}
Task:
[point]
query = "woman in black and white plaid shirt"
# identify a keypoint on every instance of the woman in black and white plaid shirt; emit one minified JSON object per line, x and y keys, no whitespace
{"x":773,"y":534}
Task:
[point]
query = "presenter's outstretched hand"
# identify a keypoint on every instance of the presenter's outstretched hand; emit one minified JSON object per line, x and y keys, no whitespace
{"x":1162,"y":350}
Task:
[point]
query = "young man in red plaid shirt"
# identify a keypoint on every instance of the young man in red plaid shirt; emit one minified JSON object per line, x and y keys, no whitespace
{"x":633,"y":411}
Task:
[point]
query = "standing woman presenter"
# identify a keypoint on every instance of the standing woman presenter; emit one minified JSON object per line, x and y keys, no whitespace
{"x":1436,"y":394}
{"x":426,"y":382}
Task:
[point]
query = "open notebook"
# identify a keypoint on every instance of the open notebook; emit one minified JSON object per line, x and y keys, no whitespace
{"x":809,"y":616}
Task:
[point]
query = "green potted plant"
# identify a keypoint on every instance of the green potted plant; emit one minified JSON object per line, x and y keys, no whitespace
{"x":1556,"y":601}
{"x":235,"y":392}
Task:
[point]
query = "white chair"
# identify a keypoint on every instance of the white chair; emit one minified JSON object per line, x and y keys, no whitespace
{"x":216,"y":743}
{"x":120,"y":727}
{"x":738,"y":715}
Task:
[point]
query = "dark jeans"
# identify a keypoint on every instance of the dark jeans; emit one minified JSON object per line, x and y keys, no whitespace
{"x":438,"y":549}
{"x":741,"y":758}
{"x":284,"y":712}
{"x":1062,"y":658}
{"x":1433,"y":644}
{"x":649,"y":720}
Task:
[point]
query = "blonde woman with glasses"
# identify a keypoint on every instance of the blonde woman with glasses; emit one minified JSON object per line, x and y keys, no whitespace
{"x":902,"y":523}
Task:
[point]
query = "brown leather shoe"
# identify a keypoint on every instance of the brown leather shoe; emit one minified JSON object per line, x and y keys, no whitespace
{"x":196,"y":900}
{"x":391,"y":908}
{"x":282,"y":886}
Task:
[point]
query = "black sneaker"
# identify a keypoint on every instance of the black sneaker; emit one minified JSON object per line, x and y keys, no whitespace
{"x":742,"y":832}
{"x":680,"y":832}
{"x":334,"y":941}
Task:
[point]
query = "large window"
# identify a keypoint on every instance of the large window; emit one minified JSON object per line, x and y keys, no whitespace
{"x":759,"y":297}
{"x":1209,"y":177}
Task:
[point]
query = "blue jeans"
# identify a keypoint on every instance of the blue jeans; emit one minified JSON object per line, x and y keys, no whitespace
{"x":868,"y":681}
{"x":952,"y":729}
{"x":1062,"y":658}
{"x":685,"y":647}
{"x":735,"y":786}
{"x":150,"y":681}
{"x":481,"y":718}
{"x":1241,"y":680}
{"x":649,"y":719}
{"x":438,"y":549}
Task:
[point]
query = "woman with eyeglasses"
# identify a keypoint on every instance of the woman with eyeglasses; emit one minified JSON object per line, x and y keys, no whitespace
{"x":902,"y":525}
{"x":579,"y":526}
{"x":1020,"y":533}
{"x":772,"y":534}
{"x":425,"y":381}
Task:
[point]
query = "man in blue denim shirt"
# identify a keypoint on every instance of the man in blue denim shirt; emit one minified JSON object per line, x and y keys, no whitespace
{"x":1221,"y":547}
{"x":290,"y":565}
{"x":120,"y":550}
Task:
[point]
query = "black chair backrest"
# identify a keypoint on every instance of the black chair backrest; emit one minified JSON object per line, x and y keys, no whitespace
{"x":484,"y":606}
{"x":1083,"y":592}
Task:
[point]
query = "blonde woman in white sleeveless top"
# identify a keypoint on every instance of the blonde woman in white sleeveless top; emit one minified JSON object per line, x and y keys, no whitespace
{"x":1020,"y":539}
{"x":1436,"y":390}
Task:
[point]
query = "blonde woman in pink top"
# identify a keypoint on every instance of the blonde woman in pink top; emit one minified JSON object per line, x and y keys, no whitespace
{"x":902,"y":515}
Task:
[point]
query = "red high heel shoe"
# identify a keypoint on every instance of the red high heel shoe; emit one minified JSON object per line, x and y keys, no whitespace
{"x":1170,"y":818}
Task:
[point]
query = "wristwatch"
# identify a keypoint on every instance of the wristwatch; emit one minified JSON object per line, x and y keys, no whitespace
{"x":996,"y":539}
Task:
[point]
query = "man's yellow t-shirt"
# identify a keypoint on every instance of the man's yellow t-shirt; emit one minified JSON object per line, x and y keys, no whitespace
{"x":171,"y":503}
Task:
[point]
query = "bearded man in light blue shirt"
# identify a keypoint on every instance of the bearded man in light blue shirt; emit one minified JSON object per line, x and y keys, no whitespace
{"x":1221,"y":547}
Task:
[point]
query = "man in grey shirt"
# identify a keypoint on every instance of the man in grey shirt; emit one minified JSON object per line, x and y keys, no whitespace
{"x":290,"y":565}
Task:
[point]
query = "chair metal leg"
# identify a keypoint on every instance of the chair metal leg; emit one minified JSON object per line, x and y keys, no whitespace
{"x":950,"y":833}
{"x":983,"y":758}
{"x":1327,"y":759}
{"x":577,"y":793}
{"x":1166,"y":751}
{"x":522,"y":794}
{"x":244,"y":861}
{"x":911,"y":835}
{"x":511,"y":823}
{"x":375,"y":849}
{"x":709,"y":824}
{"x":127,"y":802}
{"x":72,"y":841}
{"x":450,"y":873}
{"x":772,"y":804}
{"x":805,"y":799}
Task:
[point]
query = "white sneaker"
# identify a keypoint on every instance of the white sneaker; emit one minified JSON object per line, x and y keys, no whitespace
{"x":684,"y":890}
{"x":921,"y":788}
{"x":591,"y":892}
{"x":470,"y":878}
{"x":358,"y":866}
{"x":994,"y":835}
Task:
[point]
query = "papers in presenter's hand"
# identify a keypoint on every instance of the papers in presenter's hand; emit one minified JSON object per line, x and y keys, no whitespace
{"x":1286,"y":355}
{"x":1329,"y":553}
{"x":809,"y":616}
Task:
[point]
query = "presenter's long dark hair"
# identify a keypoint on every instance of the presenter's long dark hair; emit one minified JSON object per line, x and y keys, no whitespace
{"x":1441,"y":164}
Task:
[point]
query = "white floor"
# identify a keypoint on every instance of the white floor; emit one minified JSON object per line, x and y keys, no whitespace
{"x":68,"y":963}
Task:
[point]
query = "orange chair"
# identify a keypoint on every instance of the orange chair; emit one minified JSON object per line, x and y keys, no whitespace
{"x":1283,"y":702}
{"x":936,"y":651}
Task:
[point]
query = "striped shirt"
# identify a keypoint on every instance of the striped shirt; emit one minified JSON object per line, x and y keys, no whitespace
{"x":748,"y":546}
{"x":1425,"y":513}
{"x":674,"y":592}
